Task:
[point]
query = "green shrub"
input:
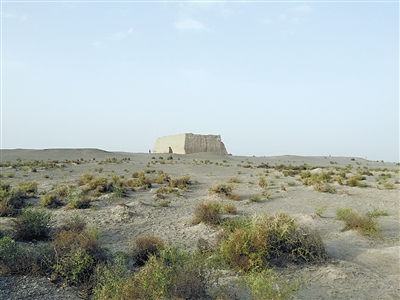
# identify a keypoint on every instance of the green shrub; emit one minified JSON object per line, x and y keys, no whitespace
{"x":11,"y":255}
{"x":354,"y":181}
{"x":262,"y":182}
{"x":229,"y":209}
{"x":255,"y":198}
{"x":50,"y":201}
{"x":172,"y":274}
{"x":268,"y":240}
{"x":31,"y":224}
{"x":181,"y":182}
{"x":208,"y":213}
{"x":162,"y":177}
{"x":146,"y":246}
{"x":366,"y":225}
{"x":28,"y":189}
{"x":234,"y":180}
{"x":267,"y":285}
{"x":221,"y":189}
{"x":111,"y":281}
{"x":75,"y":266}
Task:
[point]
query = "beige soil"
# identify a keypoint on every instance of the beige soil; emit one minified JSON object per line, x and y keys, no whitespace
{"x":361,"y":267}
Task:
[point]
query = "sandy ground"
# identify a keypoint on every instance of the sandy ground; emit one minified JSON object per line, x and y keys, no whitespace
{"x":361,"y":267}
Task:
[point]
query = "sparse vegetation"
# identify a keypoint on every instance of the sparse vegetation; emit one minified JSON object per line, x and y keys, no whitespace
{"x":365,"y":224}
{"x":208,"y":213}
{"x":31,"y":224}
{"x":256,"y":243}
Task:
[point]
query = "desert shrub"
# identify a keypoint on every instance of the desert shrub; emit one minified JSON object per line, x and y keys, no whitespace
{"x":291,"y":183}
{"x":323,"y":188}
{"x":11,"y":255}
{"x":77,"y":199}
{"x":12,"y":199}
{"x":376,"y":213}
{"x":28,"y":189}
{"x":208,"y":213}
{"x":229,"y":209}
{"x":265,"y":193}
{"x":164,"y":190}
{"x":320,"y":210}
{"x":164,"y":203}
{"x":75,"y":266}
{"x":78,"y":255}
{"x":235,"y":197}
{"x":162,"y":177}
{"x":268,"y":240}
{"x":262,"y":182}
{"x":85,"y":178}
{"x":172,"y":274}
{"x":354,"y":181}
{"x":74,"y":223}
{"x":255,"y":198}
{"x":365,"y":224}
{"x":221,"y":189}
{"x":50,"y":201}
{"x":267,"y":285}
{"x":234,"y":180}
{"x":388,"y":186}
{"x":111,"y":281}
{"x":31,"y":224}
{"x":140,"y":180}
{"x":181,"y":182}
{"x":144,"y":247}
{"x":61,"y":191}
{"x":282,"y":187}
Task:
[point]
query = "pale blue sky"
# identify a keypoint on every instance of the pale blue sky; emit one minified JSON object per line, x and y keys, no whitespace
{"x":273,"y":78}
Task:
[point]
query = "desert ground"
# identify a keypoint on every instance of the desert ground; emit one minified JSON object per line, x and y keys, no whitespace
{"x":360,"y":267}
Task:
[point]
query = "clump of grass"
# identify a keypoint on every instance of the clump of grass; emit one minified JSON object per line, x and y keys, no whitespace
{"x":144,"y":247}
{"x":255,"y":244}
{"x":354,"y":181}
{"x":221,"y":189}
{"x":267,"y":285}
{"x":208,"y":213}
{"x":171,"y":274}
{"x":50,"y":201}
{"x":235,"y":180}
{"x":254,"y":198}
{"x":282,"y":187}
{"x":320,"y":210}
{"x":291,"y":183}
{"x":265,"y":193}
{"x":235,"y":197}
{"x":262,"y":182}
{"x":162,"y":177}
{"x":229,"y":209}
{"x":31,"y":224}
{"x":181,"y":182}
{"x":78,"y":253}
{"x":164,"y":203}
{"x":365,"y":224}
{"x":376,"y":213}
{"x":324,"y":188}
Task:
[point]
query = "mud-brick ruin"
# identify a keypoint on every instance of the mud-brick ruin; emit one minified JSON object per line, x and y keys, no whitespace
{"x":190,"y":143}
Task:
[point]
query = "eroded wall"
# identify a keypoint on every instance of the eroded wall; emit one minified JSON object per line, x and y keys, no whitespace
{"x":189,"y":143}
{"x":175,"y":142}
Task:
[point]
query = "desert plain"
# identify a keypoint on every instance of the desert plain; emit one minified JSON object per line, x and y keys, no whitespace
{"x":359,"y":266}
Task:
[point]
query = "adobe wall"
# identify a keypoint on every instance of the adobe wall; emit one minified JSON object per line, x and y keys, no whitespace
{"x":195,"y":143}
{"x":189,"y":143}
{"x":176,"y":142}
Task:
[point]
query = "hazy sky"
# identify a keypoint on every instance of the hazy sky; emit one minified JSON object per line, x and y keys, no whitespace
{"x":272,"y":78}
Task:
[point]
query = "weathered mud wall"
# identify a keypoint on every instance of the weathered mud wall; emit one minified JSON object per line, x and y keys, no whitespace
{"x":175,"y":142}
{"x":190,"y":143}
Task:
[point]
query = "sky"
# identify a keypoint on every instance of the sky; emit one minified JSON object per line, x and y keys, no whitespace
{"x":272,"y":78}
